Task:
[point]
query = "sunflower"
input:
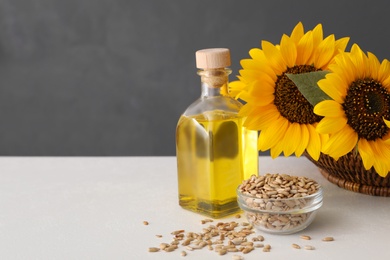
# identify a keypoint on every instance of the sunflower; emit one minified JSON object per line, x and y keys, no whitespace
{"x":357,"y":117}
{"x":273,"y":104}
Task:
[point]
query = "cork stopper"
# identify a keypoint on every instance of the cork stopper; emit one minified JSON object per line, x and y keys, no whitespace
{"x":215,"y":58}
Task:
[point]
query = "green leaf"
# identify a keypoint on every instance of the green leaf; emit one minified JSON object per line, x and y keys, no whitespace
{"x":307,"y":85}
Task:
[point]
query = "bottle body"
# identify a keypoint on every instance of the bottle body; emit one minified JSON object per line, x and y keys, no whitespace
{"x":215,"y":152}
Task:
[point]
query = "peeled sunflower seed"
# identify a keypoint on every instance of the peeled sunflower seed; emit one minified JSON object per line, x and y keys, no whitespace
{"x":305,"y":237}
{"x":296,"y":246}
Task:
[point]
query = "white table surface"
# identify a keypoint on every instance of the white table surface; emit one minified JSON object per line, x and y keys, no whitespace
{"x":94,"y":208}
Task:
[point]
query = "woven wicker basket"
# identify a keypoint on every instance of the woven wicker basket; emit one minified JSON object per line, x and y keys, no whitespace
{"x":348,"y":172}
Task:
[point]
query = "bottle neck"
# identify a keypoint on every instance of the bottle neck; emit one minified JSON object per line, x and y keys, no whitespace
{"x":214,"y":81}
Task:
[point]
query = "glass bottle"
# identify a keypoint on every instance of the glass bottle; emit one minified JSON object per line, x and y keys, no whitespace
{"x":214,"y":151}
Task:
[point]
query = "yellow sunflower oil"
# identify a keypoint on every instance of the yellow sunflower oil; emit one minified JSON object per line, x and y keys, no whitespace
{"x":215,"y":152}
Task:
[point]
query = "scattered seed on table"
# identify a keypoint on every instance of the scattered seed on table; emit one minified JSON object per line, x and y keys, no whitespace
{"x":296,"y":246}
{"x":305,"y":237}
{"x":248,"y":249}
{"x":176,"y":232}
{"x":238,"y":216}
{"x":175,"y":242}
{"x":247,"y":243}
{"x":207,"y":220}
{"x":328,"y":239}
{"x":189,"y":248}
{"x":223,"y":238}
{"x":170,"y":248}
{"x":164,"y":245}
{"x":145,"y":223}
{"x":237,"y":241}
{"x":260,"y":238}
{"x":222,"y":252}
{"x":267,"y":248}
{"x":186,"y":242}
{"x":309,"y":247}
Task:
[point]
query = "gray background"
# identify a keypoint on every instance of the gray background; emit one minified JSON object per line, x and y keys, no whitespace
{"x":111,"y":77}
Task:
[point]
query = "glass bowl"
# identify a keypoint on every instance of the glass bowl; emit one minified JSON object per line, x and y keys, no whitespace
{"x":280,"y":216}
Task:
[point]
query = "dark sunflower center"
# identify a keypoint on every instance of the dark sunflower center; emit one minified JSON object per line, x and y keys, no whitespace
{"x":289,"y":100}
{"x":365,"y":105}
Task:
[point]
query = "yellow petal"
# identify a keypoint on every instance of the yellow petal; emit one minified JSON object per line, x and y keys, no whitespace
{"x":381,"y":149}
{"x":344,"y":67}
{"x":250,"y":64}
{"x":305,"y":49}
{"x":384,"y":70}
{"x":330,"y":125}
{"x":381,"y":169}
{"x":324,"y":52}
{"x":235,"y":87}
{"x":381,"y":155}
{"x":305,"y":136}
{"x":386,"y":83}
{"x":274,"y":57}
{"x":259,"y":100}
{"x":257,"y":65}
{"x":314,"y":145}
{"x":250,"y":75}
{"x":264,"y":100}
{"x":262,"y":117}
{"x":291,"y":139}
{"x":366,"y":153}
{"x":340,"y":82}
{"x":334,"y":87}
{"x":262,"y":87}
{"x":360,"y":60}
{"x":341,"y":44}
{"x":329,"y":108}
{"x":276,"y":150}
{"x":324,"y":139}
{"x":246,"y":110}
{"x":387,"y":122}
{"x":288,"y":50}
{"x":318,"y":35}
{"x":273,"y":134}
{"x":297,"y":33}
{"x":341,"y":142}
{"x":386,"y":138}
{"x":374,"y":65}
{"x":244,"y":95}
{"x":257,"y":54}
